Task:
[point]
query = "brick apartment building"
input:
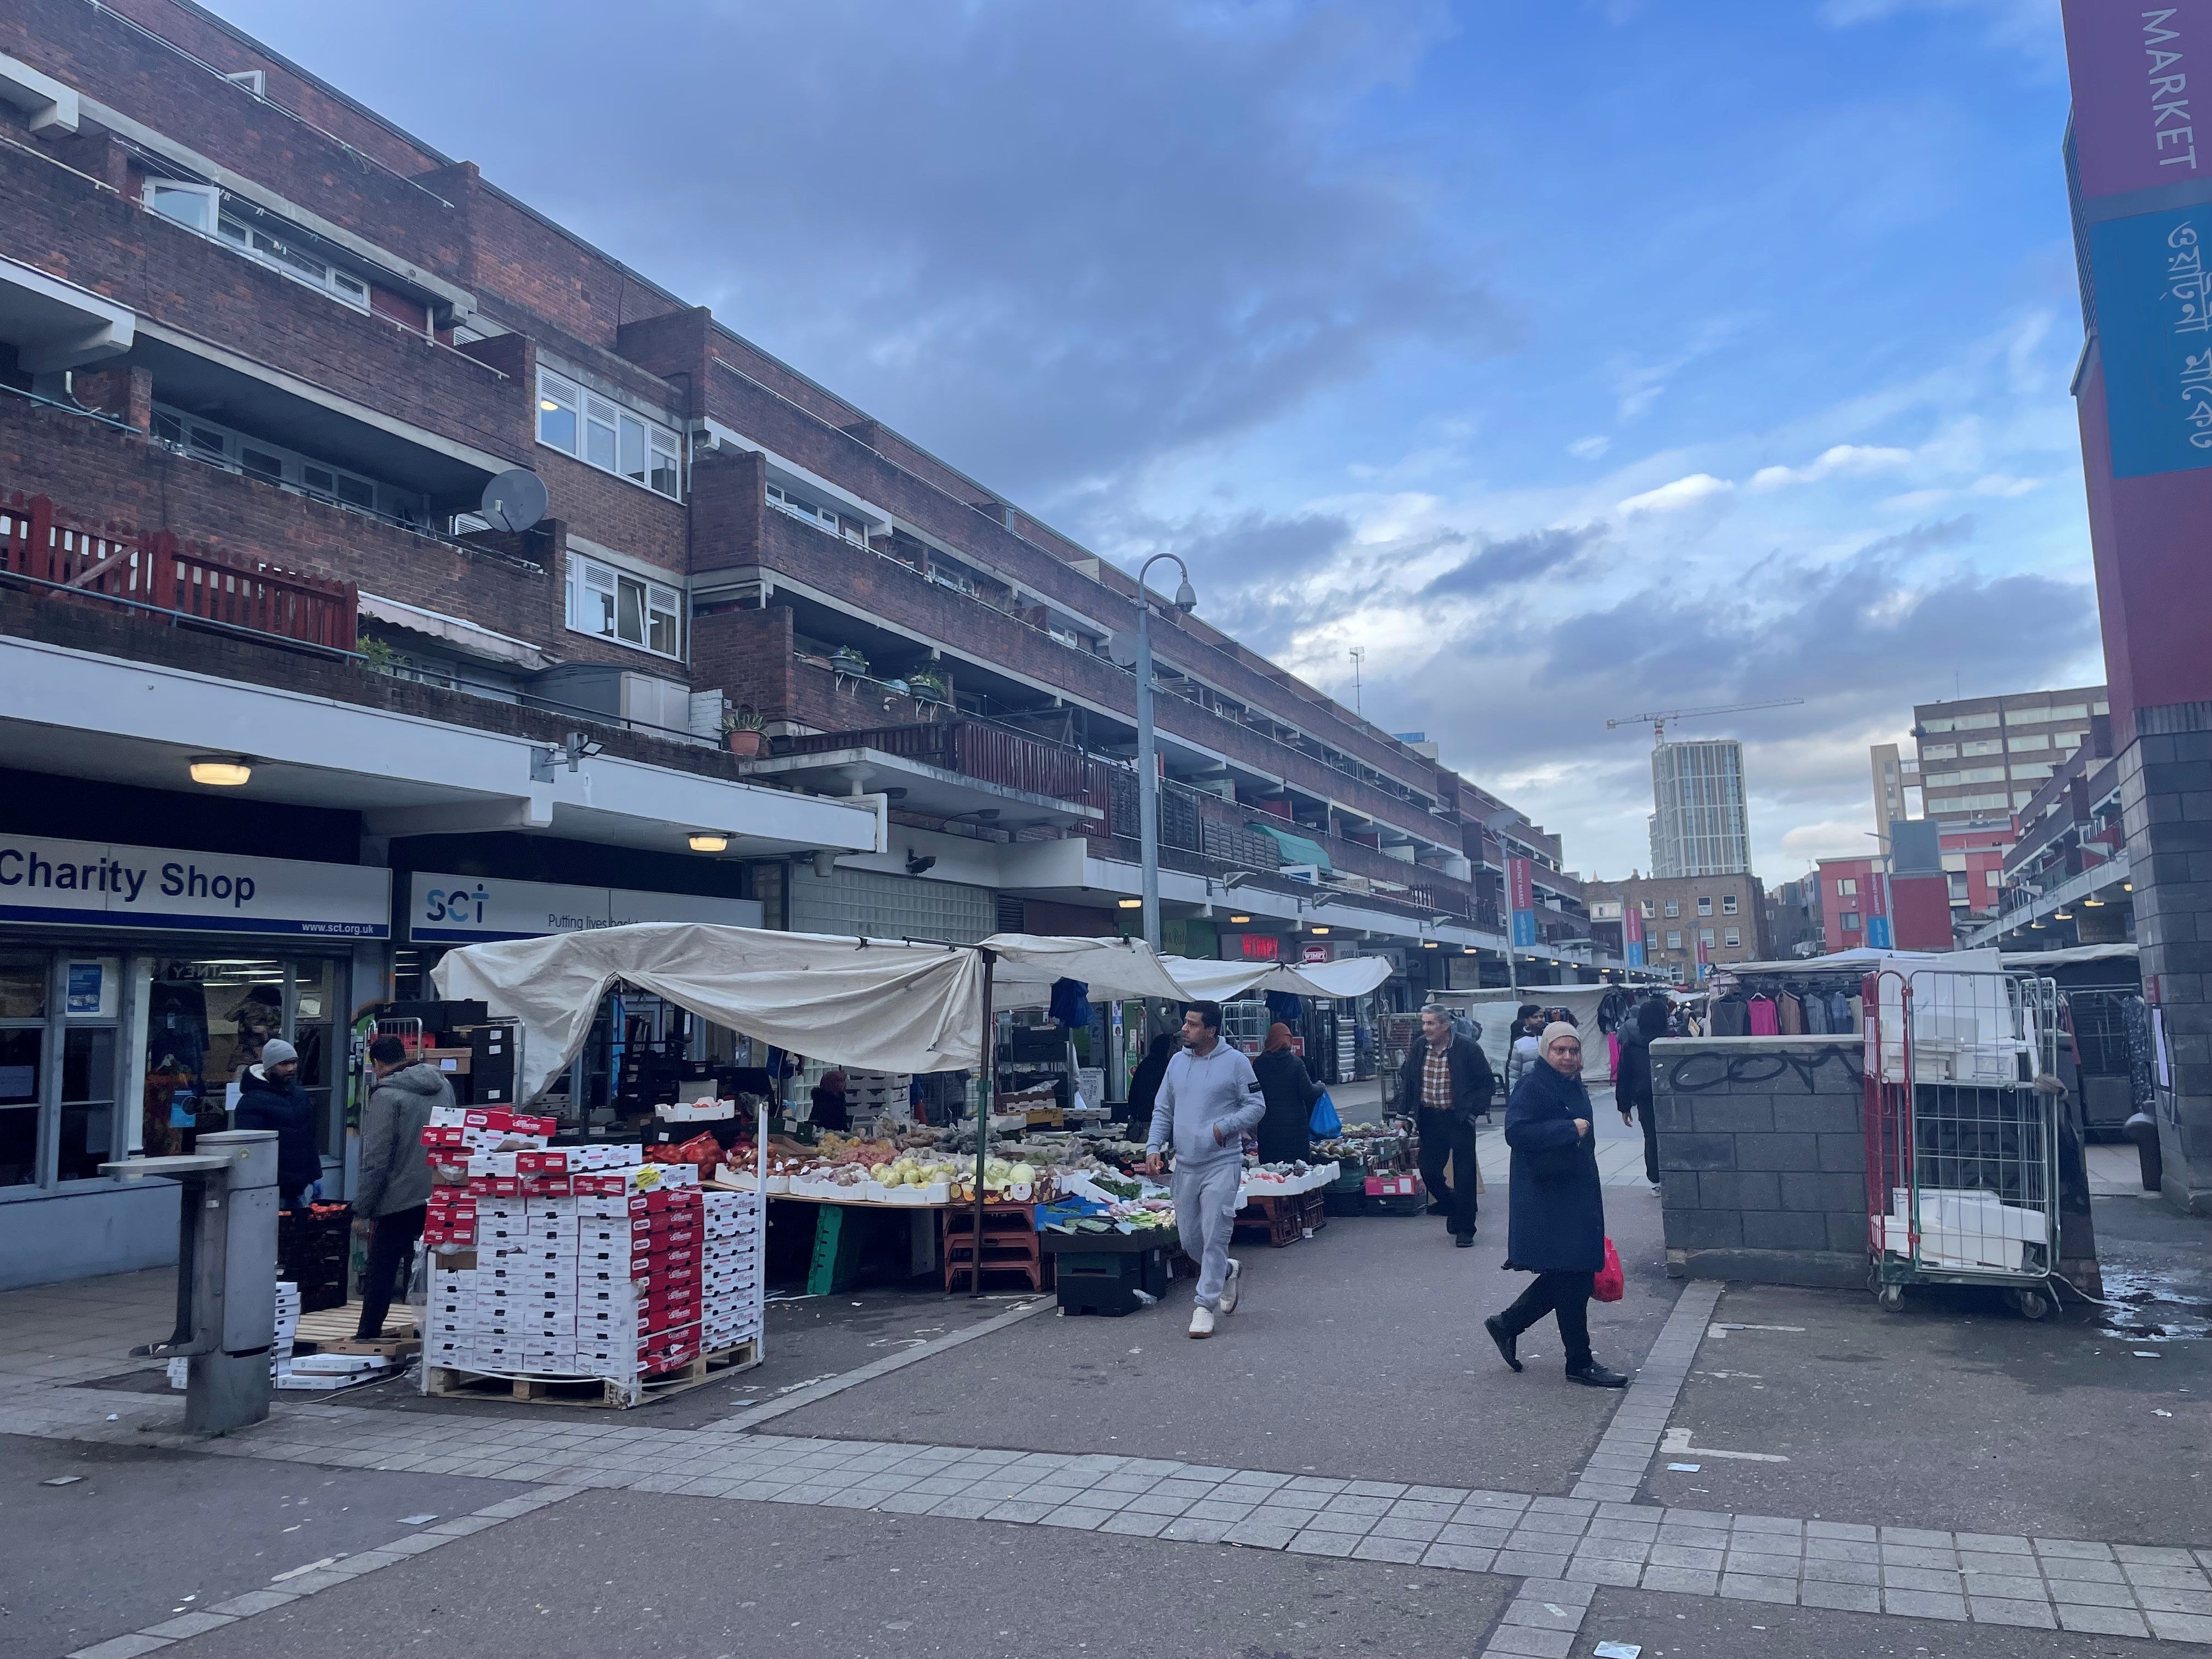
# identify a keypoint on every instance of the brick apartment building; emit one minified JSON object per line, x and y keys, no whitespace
{"x":1724,"y":916}
{"x":261,"y":353}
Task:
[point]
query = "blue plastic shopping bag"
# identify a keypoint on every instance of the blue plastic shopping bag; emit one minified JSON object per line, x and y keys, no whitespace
{"x":1325,"y":1122}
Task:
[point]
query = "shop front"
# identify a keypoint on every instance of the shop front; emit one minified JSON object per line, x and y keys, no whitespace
{"x":635,"y":1035}
{"x":134,"y":982}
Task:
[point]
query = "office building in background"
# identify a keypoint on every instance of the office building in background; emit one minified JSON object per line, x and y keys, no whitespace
{"x":1699,"y":826}
{"x":1981,"y":758}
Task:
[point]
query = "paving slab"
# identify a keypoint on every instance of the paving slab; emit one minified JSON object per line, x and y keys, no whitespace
{"x":1957,"y":1415}
{"x":621,"y":1572}
{"x":1696,"y":1627}
{"x":141,"y":1530}
{"x":1373,"y":1327}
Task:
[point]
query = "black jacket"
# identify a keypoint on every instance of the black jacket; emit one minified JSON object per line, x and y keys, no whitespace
{"x":1473,"y":1082}
{"x":265,"y":1104}
{"x":1558,"y":1220}
{"x":1632,"y":1085}
{"x":1284,"y":1134}
{"x":1145,"y":1085}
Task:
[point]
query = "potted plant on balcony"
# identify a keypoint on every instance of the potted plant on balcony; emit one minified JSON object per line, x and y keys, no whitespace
{"x":742,"y":730}
{"x":846,"y":660}
{"x":927,"y":686}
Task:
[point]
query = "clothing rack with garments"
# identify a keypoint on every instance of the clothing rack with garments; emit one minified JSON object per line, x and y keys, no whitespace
{"x":1786,"y":1004}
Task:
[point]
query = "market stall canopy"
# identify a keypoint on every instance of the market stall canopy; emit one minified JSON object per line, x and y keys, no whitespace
{"x":1030,"y":964}
{"x":2070,"y":956}
{"x":1220,"y":982}
{"x":882,"y":1005}
{"x":1109,"y":968}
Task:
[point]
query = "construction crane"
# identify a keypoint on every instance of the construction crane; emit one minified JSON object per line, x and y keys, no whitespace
{"x":1658,"y":721}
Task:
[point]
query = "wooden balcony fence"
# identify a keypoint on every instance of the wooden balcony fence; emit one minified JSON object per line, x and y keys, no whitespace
{"x":155,"y":569}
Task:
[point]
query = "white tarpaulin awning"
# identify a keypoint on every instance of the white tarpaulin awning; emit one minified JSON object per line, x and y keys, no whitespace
{"x":881,"y":1004}
{"x":1117,"y":968}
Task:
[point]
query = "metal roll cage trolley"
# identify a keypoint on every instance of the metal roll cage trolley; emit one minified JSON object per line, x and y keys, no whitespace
{"x":1962,"y":1107}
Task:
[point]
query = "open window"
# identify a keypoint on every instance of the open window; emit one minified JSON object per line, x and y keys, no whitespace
{"x":613,"y":604}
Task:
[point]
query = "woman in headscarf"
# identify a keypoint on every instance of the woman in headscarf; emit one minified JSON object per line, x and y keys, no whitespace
{"x":1557,"y":1229}
{"x":1289,"y":1093}
{"x":1144,"y":1081}
{"x":1631,"y":1084}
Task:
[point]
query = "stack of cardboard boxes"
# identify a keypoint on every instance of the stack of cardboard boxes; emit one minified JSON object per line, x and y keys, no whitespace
{"x":731,"y":1312}
{"x":579,"y":1262}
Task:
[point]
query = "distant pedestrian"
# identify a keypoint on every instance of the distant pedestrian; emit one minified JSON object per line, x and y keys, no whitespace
{"x":1444,"y":1082}
{"x":393,"y":1195}
{"x":270,"y":1097}
{"x":1631,"y":1085}
{"x":1521,"y":1054}
{"x":1557,"y":1230}
{"x":1207,"y":1102}
{"x":1144,"y":1081}
{"x":1285,"y":1133}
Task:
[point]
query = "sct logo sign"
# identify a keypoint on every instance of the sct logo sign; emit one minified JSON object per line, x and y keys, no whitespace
{"x":464,"y":905}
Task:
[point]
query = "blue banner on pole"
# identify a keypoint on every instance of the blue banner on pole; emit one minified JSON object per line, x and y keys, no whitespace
{"x":1525,"y":927}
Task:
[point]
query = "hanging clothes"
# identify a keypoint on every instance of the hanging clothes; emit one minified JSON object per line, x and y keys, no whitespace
{"x":1763,"y":1019}
{"x":1815,"y":1004}
{"x":1790,"y":1014}
{"x":1840,"y":1011}
{"x":1728,"y":1017}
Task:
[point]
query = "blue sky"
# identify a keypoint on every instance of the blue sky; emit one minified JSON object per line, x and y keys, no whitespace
{"x":1575,"y":359}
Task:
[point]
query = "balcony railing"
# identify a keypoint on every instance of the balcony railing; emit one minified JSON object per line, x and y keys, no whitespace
{"x":154,"y":571}
{"x":978,"y":750}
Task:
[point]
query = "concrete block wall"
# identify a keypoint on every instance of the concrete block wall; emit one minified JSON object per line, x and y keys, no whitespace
{"x":1762,"y":1159}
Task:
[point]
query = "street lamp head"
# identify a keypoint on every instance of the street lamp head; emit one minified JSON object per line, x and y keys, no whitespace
{"x":1185,"y":596}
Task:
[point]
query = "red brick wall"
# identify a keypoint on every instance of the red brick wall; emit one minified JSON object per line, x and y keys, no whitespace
{"x":728,"y":498}
{"x":171,"y":275}
{"x":748,"y":654}
{"x":115,"y":477}
{"x":613,"y":512}
{"x":103,"y":56}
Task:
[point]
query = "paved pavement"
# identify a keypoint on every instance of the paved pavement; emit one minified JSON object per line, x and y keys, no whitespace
{"x":1346,"y":1468}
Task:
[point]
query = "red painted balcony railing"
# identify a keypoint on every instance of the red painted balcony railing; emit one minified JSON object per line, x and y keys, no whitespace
{"x":52,"y":545}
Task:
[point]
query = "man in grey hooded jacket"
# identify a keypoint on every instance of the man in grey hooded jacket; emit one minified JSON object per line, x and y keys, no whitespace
{"x":393,"y":1195}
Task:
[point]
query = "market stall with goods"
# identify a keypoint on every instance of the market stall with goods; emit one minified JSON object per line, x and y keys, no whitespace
{"x":890,"y":1013}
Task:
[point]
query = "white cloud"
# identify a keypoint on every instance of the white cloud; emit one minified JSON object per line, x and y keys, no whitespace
{"x":1676,"y":497}
{"x":1839,"y":460}
{"x":2004,"y":484}
{"x":1589,"y":449}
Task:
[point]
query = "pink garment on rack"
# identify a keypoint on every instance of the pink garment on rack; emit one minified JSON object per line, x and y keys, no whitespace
{"x":1765,"y":1021}
{"x":1612,"y":1053}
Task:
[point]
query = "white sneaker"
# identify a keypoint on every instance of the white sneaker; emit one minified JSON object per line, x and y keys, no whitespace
{"x":1202,"y":1321}
{"x":1228,"y":1289}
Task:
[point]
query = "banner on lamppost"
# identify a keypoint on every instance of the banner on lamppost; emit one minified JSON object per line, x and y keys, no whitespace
{"x":1521,"y":899}
{"x":1632,"y":933}
{"x":1704,"y":958}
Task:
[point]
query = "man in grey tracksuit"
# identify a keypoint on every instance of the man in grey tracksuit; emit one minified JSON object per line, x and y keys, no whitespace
{"x":1207,"y":1104}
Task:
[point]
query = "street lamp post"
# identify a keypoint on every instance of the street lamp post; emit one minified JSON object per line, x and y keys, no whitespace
{"x":1148,"y":788}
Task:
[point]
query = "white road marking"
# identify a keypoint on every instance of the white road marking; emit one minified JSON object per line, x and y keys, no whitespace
{"x":1678,"y":1441}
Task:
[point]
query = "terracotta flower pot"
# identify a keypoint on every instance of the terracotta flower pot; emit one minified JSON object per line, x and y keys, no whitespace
{"x":747,"y":745}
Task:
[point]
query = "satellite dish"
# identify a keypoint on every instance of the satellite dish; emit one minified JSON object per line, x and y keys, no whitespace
{"x":515,"y":499}
{"x":1121,"y":649}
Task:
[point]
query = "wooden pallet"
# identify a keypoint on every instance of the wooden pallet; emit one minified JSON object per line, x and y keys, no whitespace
{"x":612,"y":1393}
{"x":329,"y":1325}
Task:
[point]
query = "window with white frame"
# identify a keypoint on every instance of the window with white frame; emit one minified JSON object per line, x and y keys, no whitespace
{"x":1704,"y":904}
{"x":1847,"y":887}
{"x":1673,"y":941}
{"x":202,"y":207}
{"x":613,"y":604}
{"x":257,"y":458}
{"x":822,"y":518}
{"x":1673,"y":906}
{"x":601,"y":432}
{"x":1705,"y":935}
{"x":1732,"y":938}
{"x":1727,"y":904}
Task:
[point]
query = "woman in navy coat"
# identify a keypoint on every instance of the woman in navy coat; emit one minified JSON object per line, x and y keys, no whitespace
{"x":1556,"y":1229}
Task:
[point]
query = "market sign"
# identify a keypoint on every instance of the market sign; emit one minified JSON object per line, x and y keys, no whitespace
{"x":469,"y":909}
{"x":1632,"y":933}
{"x":1258,"y":947}
{"x":1520,"y":898}
{"x":103,"y":883}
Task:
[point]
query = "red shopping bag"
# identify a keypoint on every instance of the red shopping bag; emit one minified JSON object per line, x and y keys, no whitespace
{"x":1611,"y":1281}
